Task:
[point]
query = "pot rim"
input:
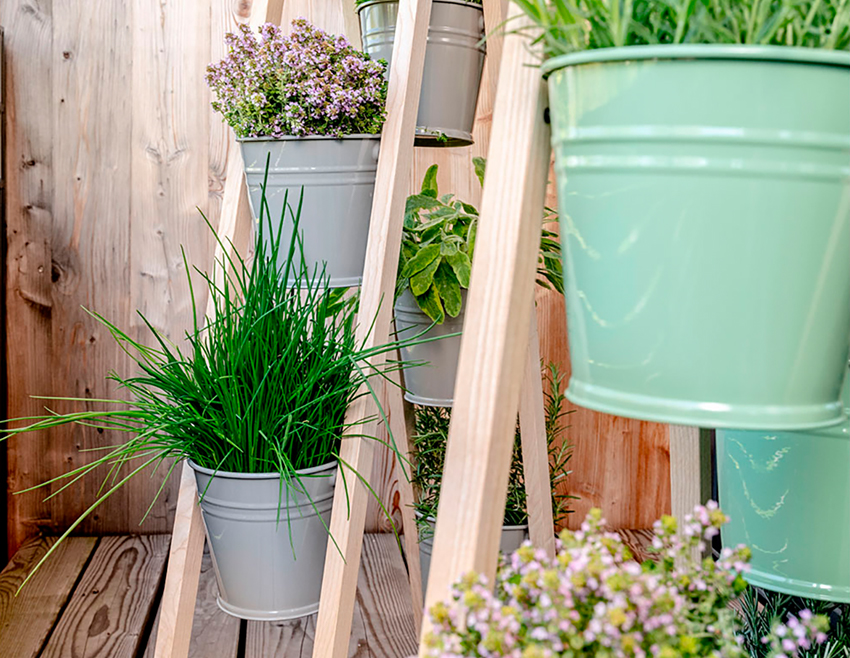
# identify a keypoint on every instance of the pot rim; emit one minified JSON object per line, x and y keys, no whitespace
{"x":431,"y":520}
{"x":232,"y":475}
{"x":305,"y":138}
{"x":465,"y":3}
{"x":785,"y":54}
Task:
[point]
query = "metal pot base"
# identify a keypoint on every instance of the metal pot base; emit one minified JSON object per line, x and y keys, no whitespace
{"x":441,"y":137}
{"x":799,"y":588}
{"x":703,"y":414}
{"x":262,"y":615}
{"x":428,"y":402}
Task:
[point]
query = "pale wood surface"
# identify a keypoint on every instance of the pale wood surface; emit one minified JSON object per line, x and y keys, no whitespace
{"x":27,"y":619}
{"x":109,"y":611}
{"x":174,"y":626}
{"x":495,"y":337}
{"x":690,"y":470}
{"x":535,"y":448}
{"x":379,"y":277}
{"x":214,"y":632}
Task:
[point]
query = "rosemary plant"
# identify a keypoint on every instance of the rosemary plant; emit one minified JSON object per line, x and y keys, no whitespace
{"x":572,"y":25}
{"x":429,"y":447}
{"x":263,"y":387}
{"x":761,"y":609}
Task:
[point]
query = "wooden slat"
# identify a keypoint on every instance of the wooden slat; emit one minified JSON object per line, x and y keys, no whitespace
{"x":379,"y":277}
{"x":110,"y":608}
{"x":495,"y":337}
{"x":690,"y":470}
{"x":383,"y":625}
{"x":27,"y":619}
{"x":214,"y":632}
{"x":384,"y":599}
{"x":184,"y":565}
{"x":535,"y":448}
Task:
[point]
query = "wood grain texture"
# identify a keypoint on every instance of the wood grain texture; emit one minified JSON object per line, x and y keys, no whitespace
{"x":110,"y":608}
{"x":535,"y":448}
{"x":174,"y":626}
{"x":379,"y":277}
{"x":27,"y":619}
{"x":214,"y":632}
{"x":690,"y":470}
{"x":115,"y":150}
{"x":383,"y":625}
{"x":495,"y":335}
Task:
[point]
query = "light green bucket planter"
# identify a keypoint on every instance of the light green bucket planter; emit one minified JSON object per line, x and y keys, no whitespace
{"x":788,"y":498}
{"x":705,"y":221}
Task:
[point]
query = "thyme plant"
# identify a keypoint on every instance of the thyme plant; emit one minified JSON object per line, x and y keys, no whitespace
{"x":429,"y":446}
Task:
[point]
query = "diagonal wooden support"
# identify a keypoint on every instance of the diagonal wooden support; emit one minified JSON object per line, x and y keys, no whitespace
{"x":339,"y":584}
{"x":535,"y":448}
{"x":690,"y":471}
{"x":496,"y":330}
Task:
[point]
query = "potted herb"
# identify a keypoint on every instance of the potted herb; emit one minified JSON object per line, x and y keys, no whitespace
{"x":454,"y":59}
{"x":592,"y":600}
{"x":256,"y":402}
{"x":313,"y":107}
{"x":429,"y":446}
{"x":690,"y":139}
{"x":437,"y":246}
{"x":777,"y":505}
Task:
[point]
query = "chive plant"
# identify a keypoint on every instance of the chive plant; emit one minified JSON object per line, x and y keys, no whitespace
{"x":262,"y":387}
{"x":429,"y":446}
{"x":573,"y":25}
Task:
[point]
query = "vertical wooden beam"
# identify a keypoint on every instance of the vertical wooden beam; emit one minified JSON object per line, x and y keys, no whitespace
{"x":496,"y":330}
{"x":535,"y":448}
{"x":379,"y":277}
{"x":690,"y":470}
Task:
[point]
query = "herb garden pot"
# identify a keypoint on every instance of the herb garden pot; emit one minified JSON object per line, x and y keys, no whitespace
{"x":454,"y":59}
{"x":433,"y":382}
{"x":267,"y":542}
{"x":510,"y":540}
{"x":338,"y":179}
{"x":788,"y":498}
{"x":705,"y":220}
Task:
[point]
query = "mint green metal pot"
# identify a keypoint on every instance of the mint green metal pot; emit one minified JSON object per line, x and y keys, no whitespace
{"x":788,"y":498}
{"x":705,"y":221}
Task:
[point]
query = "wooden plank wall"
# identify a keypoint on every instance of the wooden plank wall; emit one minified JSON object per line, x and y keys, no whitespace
{"x":110,"y":149}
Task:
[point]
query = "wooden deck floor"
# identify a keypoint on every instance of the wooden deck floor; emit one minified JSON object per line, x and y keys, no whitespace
{"x":99,"y":598}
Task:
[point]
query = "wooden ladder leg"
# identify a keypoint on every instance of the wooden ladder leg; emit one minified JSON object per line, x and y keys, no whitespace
{"x":535,"y":448}
{"x":400,"y":414}
{"x":182,"y":573}
{"x":494,"y":347}
{"x":690,"y":470}
{"x":342,"y":562}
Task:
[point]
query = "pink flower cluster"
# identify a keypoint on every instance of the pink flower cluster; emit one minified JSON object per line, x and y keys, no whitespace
{"x":306,"y":83}
{"x":594,"y":600}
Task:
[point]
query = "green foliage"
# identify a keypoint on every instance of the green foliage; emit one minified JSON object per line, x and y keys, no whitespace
{"x":429,"y":446}
{"x":263,"y":387}
{"x":761,"y":609}
{"x":438,"y":243}
{"x":573,"y":25}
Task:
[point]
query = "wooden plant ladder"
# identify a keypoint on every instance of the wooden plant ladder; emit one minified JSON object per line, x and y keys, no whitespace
{"x":348,"y":515}
{"x":500,"y":339}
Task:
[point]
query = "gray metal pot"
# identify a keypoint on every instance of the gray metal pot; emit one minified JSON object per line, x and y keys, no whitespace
{"x":433,"y":383}
{"x":454,"y":59}
{"x":510,"y":540}
{"x":267,"y":570}
{"x":338,"y":178}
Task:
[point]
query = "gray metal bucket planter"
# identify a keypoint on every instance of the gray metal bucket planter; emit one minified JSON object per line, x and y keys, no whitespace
{"x":261,"y":574}
{"x":453,"y":64}
{"x":433,"y":383}
{"x":510,"y":540}
{"x":338,"y":178}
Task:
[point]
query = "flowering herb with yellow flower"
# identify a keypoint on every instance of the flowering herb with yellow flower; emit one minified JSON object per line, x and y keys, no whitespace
{"x":594,"y":600}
